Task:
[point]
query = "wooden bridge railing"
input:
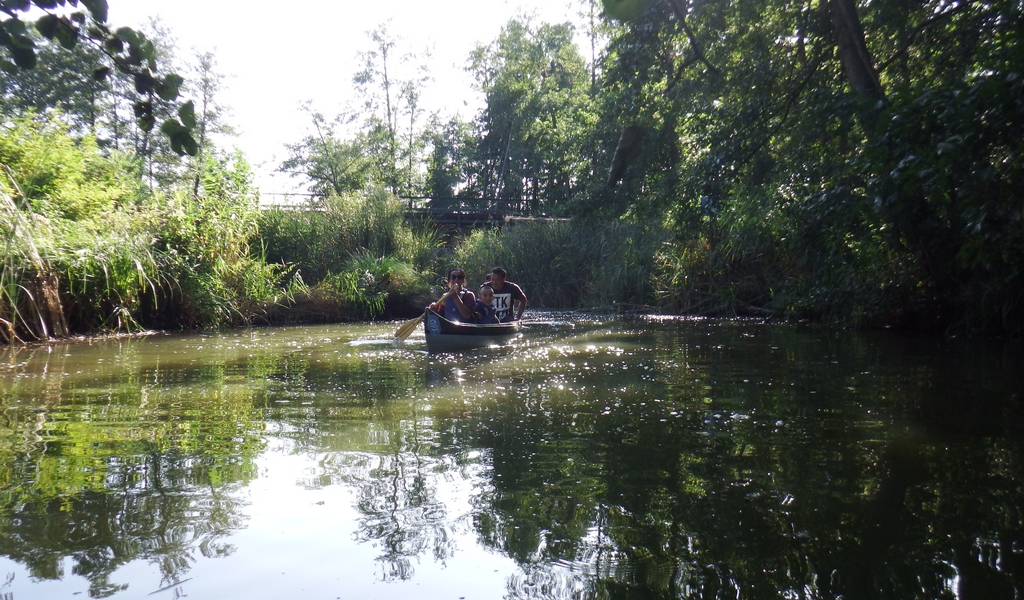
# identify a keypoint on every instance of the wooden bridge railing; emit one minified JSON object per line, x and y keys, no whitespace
{"x":433,"y":204}
{"x":461,"y":212}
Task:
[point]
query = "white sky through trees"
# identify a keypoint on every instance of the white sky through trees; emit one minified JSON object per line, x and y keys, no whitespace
{"x":275,"y":60}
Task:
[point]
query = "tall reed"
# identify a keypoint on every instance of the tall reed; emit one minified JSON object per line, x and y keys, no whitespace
{"x":29,"y":299}
{"x":320,"y":239}
{"x":108,"y":274}
{"x":567,"y":264}
{"x":357,"y":252}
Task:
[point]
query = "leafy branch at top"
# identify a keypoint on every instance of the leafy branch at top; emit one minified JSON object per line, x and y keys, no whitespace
{"x":129,"y":51}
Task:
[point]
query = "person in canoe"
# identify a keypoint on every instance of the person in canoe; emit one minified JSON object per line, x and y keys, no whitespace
{"x":459,"y":302}
{"x":483,"y":314}
{"x":509,"y":299}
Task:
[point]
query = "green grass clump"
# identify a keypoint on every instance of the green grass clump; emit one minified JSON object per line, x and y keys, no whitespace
{"x":563,"y":264}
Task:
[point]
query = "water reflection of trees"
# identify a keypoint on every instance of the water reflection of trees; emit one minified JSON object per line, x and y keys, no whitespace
{"x":401,"y":513}
{"x":123,"y":465}
{"x":744,"y":462}
{"x":164,"y":522}
{"x":718,"y":485}
{"x":370,"y":436}
{"x":719,"y":461}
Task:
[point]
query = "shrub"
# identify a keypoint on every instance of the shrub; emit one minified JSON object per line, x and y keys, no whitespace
{"x":565,"y":264}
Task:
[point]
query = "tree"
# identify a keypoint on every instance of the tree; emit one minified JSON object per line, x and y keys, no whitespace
{"x":211,"y":114}
{"x":537,"y":113}
{"x":161,"y":162}
{"x":333,"y":166}
{"x":67,"y":84}
{"x":393,"y":112}
{"x":450,"y":143}
{"x":125,"y":50}
{"x":847,"y":153}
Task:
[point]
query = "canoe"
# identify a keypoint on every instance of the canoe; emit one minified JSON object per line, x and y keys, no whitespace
{"x":444,"y":335}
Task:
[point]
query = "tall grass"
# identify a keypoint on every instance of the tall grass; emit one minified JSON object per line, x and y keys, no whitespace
{"x":813,"y":256}
{"x":106,"y":275}
{"x":568,"y":264}
{"x":356,"y":250}
{"x":321,"y":239}
{"x":725,"y":260}
{"x":204,"y":239}
{"x":86,"y":249}
{"x":20,"y":258}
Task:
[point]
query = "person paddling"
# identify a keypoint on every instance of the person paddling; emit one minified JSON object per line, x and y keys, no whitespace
{"x":459,"y":304}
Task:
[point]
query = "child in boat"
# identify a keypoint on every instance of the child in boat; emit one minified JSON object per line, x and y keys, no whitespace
{"x":483,"y":313}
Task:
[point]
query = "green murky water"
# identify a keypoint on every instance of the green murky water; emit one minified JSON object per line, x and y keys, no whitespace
{"x":594,"y":457}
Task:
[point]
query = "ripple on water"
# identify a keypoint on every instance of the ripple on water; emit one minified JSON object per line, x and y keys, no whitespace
{"x":595,"y":456}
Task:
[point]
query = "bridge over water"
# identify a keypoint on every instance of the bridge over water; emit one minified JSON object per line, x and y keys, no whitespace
{"x":468,"y":213}
{"x":460,"y":213}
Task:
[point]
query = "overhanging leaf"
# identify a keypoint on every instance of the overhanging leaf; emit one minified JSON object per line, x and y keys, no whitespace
{"x":128,"y":35}
{"x":187,"y":112}
{"x":24,"y":57}
{"x":97,"y":8}
{"x":142,"y":107}
{"x":15,"y":27}
{"x":148,"y":52}
{"x":170,"y":127}
{"x":67,"y":34}
{"x":167,"y":88}
{"x":182,"y":142}
{"x":114,"y":45}
{"x":144,"y":82}
{"x":146,"y":122}
{"x":172,"y":83}
{"x":47,"y":26}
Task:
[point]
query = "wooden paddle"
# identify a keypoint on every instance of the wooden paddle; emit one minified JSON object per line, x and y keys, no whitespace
{"x":405,"y":329}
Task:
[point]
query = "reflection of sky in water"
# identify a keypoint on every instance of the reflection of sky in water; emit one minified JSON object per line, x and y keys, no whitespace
{"x":301,"y":542}
{"x":304,"y":541}
{"x":652,"y":452}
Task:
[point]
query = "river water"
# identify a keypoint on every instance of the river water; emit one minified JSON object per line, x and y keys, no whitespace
{"x":593,"y":457}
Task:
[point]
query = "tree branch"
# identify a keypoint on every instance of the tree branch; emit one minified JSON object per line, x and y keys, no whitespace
{"x":794,"y":95}
{"x":698,"y":52}
{"x":921,"y":27}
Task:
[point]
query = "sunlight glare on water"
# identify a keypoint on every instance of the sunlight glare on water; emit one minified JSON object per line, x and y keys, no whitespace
{"x":592,"y":456}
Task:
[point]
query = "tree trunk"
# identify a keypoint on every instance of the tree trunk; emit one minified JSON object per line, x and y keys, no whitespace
{"x":857,"y":62}
{"x":51,"y":313}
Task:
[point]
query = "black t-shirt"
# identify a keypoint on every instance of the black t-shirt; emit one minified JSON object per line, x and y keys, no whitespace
{"x":504,"y":301}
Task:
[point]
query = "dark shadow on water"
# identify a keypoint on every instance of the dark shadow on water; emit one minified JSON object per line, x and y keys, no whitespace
{"x":608,"y":457}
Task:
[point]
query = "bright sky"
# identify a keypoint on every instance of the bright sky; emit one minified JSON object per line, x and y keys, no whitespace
{"x":275,"y":60}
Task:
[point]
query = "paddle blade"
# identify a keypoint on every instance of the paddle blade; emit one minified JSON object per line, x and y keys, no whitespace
{"x":405,"y":329}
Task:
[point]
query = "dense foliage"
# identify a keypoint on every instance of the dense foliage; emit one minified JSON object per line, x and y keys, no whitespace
{"x":63,"y":36}
{"x":571,"y":264}
{"x":844,"y":207}
{"x":854,"y":164}
{"x":87,"y":247}
{"x":848,"y":163}
{"x":355,"y":247}
{"x":795,"y":181}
